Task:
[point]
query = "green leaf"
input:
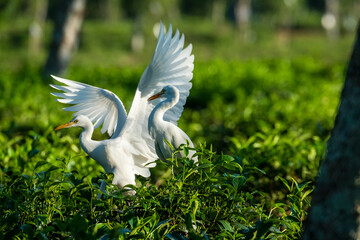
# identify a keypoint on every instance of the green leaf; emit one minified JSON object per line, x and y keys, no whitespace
{"x":263,"y":228}
{"x":206,"y":165}
{"x":78,"y":224}
{"x":133,"y":222}
{"x":285,"y":183}
{"x":162,"y":223}
{"x":175,"y":236}
{"x":101,"y":233}
{"x":47,"y":230}
{"x":81,"y":199}
{"x":43,"y":218}
{"x":240,"y":226}
{"x":33,"y":152}
{"x":206,"y":237}
{"x":294,"y":219}
{"x":226,"y":159}
{"x":61,"y":182}
{"x":274,"y":230}
{"x":28,"y":229}
{"x":26,"y":177}
{"x":233,"y":166}
{"x":186,"y":151}
{"x":53,"y":168}
{"x":124,"y":230}
{"x":40,"y":163}
{"x":306,"y":194}
{"x":227,"y":226}
{"x":188,"y":221}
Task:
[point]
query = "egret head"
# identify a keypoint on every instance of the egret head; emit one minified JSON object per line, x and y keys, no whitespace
{"x":77,"y":121}
{"x":167,"y":91}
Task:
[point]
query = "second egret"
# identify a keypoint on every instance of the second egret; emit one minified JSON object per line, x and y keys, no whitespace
{"x":165,"y":132}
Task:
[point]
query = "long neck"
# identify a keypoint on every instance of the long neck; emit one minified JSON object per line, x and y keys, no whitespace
{"x":160,"y":109}
{"x":86,"y":142}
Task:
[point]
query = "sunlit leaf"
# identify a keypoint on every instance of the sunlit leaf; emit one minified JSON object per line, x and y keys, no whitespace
{"x":39,"y":164}
{"x":227,"y":226}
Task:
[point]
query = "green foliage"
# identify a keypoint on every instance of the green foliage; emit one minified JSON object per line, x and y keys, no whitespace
{"x":267,"y":122}
{"x":210,"y":199}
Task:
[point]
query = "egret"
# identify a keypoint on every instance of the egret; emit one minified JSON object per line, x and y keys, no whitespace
{"x":165,"y":132}
{"x":130,"y":150}
{"x":105,"y":153}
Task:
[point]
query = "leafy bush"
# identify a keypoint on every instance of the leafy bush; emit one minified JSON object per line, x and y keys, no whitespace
{"x":267,"y":122}
{"x":207,"y":200}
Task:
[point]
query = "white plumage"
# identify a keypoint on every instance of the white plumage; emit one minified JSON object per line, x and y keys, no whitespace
{"x":130,"y":150}
{"x":164,"y":132}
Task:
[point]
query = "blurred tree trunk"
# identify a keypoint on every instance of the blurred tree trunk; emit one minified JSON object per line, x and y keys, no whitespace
{"x":356,"y":9}
{"x":67,"y":24}
{"x":331,"y":19}
{"x":218,"y":11}
{"x":173,"y":9}
{"x":242,"y":16}
{"x":111,"y":9}
{"x":36,"y":27}
{"x":137,"y":38}
{"x":335,"y":212}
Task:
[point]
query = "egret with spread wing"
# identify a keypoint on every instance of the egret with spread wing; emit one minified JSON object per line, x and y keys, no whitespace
{"x":130,"y":150}
{"x":165,"y":132}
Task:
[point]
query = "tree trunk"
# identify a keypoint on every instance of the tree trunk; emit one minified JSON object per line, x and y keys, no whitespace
{"x":111,"y":9}
{"x":36,"y":27}
{"x":242,"y":16}
{"x":335,"y":212}
{"x":137,"y":38}
{"x":331,"y":20}
{"x":68,"y":21}
{"x":218,"y":11}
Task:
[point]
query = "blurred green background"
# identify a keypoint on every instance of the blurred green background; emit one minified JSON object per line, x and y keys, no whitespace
{"x":267,"y":80}
{"x":267,"y":77}
{"x":262,"y":29}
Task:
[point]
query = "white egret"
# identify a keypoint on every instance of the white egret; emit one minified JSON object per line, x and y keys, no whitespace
{"x":106,"y":152}
{"x":130,"y":150}
{"x":165,"y":132}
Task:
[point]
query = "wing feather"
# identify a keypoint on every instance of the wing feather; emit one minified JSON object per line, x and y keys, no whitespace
{"x":171,"y":64}
{"x":101,"y":106}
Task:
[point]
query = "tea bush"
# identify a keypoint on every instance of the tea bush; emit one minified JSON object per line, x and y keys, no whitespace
{"x":260,"y":128}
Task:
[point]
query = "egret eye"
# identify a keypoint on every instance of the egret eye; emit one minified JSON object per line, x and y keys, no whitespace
{"x":76,"y":121}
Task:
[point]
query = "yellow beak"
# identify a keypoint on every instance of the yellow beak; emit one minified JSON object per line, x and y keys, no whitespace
{"x":69,"y":124}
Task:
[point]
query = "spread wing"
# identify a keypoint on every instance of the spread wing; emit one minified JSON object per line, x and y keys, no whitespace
{"x":171,"y":64}
{"x":101,"y":106}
